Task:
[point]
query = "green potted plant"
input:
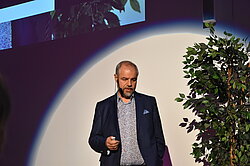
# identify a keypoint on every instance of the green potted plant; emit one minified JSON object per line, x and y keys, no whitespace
{"x":218,"y":74}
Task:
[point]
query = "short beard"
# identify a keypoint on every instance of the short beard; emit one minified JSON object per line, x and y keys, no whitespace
{"x":122,"y":93}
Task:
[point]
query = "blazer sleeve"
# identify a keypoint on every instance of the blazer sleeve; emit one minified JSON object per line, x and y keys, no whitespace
{"x":96,"y":138}
{"x":160,"y":141}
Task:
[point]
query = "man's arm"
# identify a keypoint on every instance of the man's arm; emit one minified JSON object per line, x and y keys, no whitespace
{"x":158,"y":131}
{"x":96,"y":138}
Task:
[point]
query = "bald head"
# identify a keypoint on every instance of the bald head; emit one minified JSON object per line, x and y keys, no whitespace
{"x":127,"y":64}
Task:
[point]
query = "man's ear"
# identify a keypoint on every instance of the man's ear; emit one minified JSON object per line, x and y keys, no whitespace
{"x":116,"y":77}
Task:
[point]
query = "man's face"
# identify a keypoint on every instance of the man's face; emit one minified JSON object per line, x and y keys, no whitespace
{"x":126,"y":81}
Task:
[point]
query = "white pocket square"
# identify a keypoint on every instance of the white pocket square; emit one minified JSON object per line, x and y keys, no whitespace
{"x":145,"y":112}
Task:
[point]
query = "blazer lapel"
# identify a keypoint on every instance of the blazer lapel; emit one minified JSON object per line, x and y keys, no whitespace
{"x":139,"y":110}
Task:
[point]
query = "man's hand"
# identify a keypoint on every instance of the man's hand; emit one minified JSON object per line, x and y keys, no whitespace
{"x":111,"y":143}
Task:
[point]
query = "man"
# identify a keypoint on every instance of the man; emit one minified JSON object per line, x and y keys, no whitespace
{"x":126,"y":128}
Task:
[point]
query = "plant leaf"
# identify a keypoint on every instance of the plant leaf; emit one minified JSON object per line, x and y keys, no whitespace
{"x":183,"y":124}
{"x":112,"y":19}
{"x":117,"y":4}
{"x":182,"y":95}
{"x":178,"y":99}
{"x":135,"y":5}
{"x":124,"y":2}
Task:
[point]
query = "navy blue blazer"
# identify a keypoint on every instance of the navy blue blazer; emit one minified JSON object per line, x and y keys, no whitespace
{"x":148,"y":124}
